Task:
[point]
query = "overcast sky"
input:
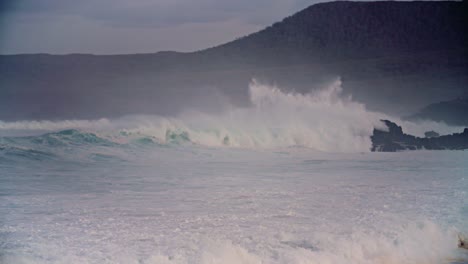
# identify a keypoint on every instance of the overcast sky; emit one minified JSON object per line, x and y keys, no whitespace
{"x":133,"y":26}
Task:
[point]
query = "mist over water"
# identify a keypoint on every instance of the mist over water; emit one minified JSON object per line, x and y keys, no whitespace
{"x":322,"y":120}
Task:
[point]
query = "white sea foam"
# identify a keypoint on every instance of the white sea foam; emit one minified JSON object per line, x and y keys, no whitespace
{"x":193,"y":204}
{"x":423,"y":243}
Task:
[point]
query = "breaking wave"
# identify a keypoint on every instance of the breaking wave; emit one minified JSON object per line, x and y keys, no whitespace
{"x":323,"y":120}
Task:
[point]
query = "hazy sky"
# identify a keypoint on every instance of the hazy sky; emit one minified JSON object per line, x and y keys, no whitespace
{"x":132,"y":26}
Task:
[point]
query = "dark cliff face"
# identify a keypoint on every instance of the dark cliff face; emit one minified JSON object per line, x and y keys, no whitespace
{"x":390,"y":55}
{"x":395,"y":140}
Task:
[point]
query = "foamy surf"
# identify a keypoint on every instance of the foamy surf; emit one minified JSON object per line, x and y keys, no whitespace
{"x":423,"y":245}
{"x":190,"y":204}
{"x":289,"y":179}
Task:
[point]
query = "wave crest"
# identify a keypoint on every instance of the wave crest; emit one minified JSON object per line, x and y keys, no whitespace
{"x":324,"y":120}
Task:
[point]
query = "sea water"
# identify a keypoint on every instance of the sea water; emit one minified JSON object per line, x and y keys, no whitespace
{"x":289,"y":180}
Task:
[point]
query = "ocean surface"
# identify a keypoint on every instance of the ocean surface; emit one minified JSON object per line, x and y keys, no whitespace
{"x":289,"y":180}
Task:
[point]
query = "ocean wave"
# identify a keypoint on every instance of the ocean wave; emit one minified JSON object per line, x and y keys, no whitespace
{"x":12,"y":153}
{"x":324,"y":120}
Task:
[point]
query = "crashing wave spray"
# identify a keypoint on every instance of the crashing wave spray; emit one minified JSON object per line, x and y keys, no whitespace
{"x":323,"y":120}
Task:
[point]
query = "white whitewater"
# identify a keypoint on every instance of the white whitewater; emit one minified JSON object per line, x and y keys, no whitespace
{"x":322,"y":120}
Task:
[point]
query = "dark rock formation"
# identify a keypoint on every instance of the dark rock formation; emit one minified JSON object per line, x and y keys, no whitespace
{"x":395,"y":140}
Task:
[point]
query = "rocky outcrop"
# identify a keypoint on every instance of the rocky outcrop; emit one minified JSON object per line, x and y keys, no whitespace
{"x":394,"y":140}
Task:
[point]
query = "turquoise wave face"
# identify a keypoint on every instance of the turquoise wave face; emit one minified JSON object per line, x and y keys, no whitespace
{"x":177,"y":137}
{"x":76,"y":145}
{"x":10,"y":153}
{"x":70,"y":137}
{"x":51,"y":146}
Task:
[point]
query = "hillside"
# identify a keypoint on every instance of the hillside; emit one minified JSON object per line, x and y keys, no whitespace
{"x":394,"y":56}
{"x":338,"y":31}
{"x":453,"y":112}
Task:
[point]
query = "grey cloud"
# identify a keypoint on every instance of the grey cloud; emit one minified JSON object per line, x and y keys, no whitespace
{"x":163,"y":12}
